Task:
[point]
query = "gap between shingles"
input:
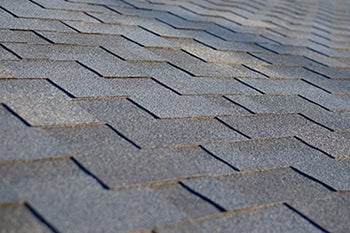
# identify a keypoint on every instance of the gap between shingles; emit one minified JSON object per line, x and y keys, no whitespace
{"x":40,"y":217}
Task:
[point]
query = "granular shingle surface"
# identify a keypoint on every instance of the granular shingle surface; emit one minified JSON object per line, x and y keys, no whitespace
{"x":167,"y":116}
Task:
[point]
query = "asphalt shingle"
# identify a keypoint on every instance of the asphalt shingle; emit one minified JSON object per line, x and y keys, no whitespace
{"x":39,"y":103}
{"x":185,"y":200}
{"x":148,"y":132}
{"x":20,"y":142}
{"x":21,"y":37}
{"x":187,"y":106}
{"x":273,"y":219}
{"x":218,"y":193}
{"x":18,"y":218}
{"x":133,"y":166}
{"x":64,"y":195}
{"x":275,"y":104}
{"x":174,"y":116}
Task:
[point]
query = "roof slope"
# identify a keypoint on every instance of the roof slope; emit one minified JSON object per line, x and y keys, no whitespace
{"x":174,"y":116}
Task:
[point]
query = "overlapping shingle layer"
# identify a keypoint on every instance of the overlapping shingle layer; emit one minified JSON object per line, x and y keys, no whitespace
{"x":174,"y":116}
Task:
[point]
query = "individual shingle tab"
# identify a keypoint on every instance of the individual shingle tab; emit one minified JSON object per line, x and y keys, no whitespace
{"x":275,"y":104}
{"x":197,"y":67}
{"x":285,"y":72}
{"x":39,"y":103}
{"x":271,"y":219}
{"x":185,"y":200}
{"x":281,"y":87}
{"x":262,"y":154}
{"x":331,"y":213}
{"x":286,"y":60}
{"x":18,"y":218}
{"x":276,"y":185}
{"x":21,"y":37}
{"x":20,"y":142}
{"x":329,"y":101}
{"x":336,"y":87}
{"x":146,"y":131}
{"x":338,"y":121}
{"x":187,"y":106}
{"x":270,"y":125}
{"x":332,"y":72}
{"x":225,"y":57}
{"x":7,"y":55}
{"x":218,"y":193}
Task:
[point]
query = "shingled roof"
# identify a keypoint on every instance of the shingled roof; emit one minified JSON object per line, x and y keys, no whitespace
{"x":174,"y":116}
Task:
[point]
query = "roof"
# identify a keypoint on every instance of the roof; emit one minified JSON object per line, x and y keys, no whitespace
{"x":174,"y":116}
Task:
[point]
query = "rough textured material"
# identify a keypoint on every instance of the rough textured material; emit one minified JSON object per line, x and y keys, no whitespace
{"x":174,"y":116}
{"x":273,"y":219}
{"x":20,"y":142}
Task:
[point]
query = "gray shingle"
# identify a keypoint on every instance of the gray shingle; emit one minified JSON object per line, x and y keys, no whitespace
{"x":97,"y":147}
{"x":106,"y":2}
{"x":334,"y":173}
{"x":272,"y":125}
{"x":62,"y":193}
{"x":95,"y":58}
{"x":263,"y":154}
{"x":196,"y":67}
{"x":276,"y":186}
{"x":77,"y":80}
{"x":7,"y":55}
{"x":336,"y":87}
{"x":218,"y":193}
{"x":225,"y":57}
{"x":185,"y":84}
{"x":329,"y":101}
{"x":332,"y":143}
{"x":21,"y":37}
{"x":55,"y":52}
{"x":28,"y":9}
{"x":285,"y":72}
{"x":18,"y":218}
{"x":185,"y":201}
{"x":291,"y":125}
{"x":187,"y":106}
{"x":72,"y":6}
{"x":332,"y":72}
{"x":146,"y":131}
{"x":39,"y":103}
{"x":272,"y":219}
{"x":275,"y":104}
{"x":338,"y":121}
{"x":9,"y":22}
{"x":116,"y":44}
{"x":133,"y":33}
{"x":285,"y":60}
{"x":20,"y":142}
{"x":281,"y":87}
{"x":7,"y":194}
{"x":331,"y":213}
